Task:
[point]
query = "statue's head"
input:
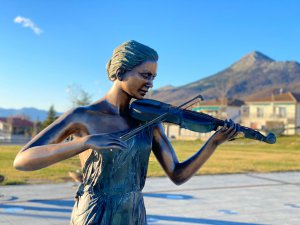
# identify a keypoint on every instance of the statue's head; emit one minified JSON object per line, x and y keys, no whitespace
{"x":127,"y":56}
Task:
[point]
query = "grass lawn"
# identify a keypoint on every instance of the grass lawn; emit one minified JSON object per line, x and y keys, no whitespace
{"x":239,"y":156}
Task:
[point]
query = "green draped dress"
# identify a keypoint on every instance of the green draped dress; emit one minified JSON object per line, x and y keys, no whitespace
{"x":111,"y":193}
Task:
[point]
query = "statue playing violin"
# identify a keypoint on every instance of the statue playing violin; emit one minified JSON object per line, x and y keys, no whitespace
{"x":113,"y":148}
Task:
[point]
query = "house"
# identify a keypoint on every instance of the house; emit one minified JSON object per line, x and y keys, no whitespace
{"x":218,"y":108}
{"x":5,"y":130}
{"x":221,"y":108}
{"x":16,"y":129}
{"x":277,"y":112}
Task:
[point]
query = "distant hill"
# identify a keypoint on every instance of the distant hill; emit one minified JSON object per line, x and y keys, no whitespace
{"x":32,"y":113}
{"x":253,"y":73}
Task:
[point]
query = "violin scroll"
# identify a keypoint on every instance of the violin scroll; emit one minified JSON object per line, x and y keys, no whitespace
{"x":271,"y":138}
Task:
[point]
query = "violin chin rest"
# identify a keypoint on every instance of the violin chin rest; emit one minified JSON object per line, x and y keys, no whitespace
{"x":271,"y":138}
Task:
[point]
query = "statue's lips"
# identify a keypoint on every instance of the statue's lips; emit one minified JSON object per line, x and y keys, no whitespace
{"x":143,"y":92}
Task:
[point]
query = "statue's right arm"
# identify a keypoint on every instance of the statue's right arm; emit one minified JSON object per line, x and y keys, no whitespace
{"x":47,"y":147}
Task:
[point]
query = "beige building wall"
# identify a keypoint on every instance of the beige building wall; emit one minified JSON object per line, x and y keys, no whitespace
{"x":298,"y":118}
{"x":5,"y":131}
{"x":174,"y":132}
{"x":234,"y":113}
{"x":262,"y":115}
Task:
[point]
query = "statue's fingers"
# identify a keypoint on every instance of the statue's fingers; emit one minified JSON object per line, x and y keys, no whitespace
{"x":225,"y":127}
{"x":234,"y":131}
{"x":230,"y":129}
{"x":237,"y":129}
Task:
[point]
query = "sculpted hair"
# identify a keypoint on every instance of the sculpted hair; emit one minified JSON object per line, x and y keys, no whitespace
{"x":127,"y":56}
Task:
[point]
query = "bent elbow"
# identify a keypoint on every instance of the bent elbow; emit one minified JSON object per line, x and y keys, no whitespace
{"x":21,"y":165}
{"x":17,"y":165}
{"x":178,"y":180}
{"x":180,"y":175}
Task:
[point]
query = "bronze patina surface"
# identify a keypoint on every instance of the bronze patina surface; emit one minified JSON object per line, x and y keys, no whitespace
{"x":115,"y":170}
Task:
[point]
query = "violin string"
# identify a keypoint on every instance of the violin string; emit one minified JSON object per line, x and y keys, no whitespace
{"x":139,"y":128}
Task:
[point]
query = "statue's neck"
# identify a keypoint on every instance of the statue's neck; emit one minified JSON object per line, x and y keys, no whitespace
{"x":118,"y":99}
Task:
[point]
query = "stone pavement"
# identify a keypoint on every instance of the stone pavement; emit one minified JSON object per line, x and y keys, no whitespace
{"x":239,"y":199}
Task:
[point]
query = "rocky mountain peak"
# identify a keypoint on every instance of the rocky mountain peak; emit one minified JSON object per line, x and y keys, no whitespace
{"x":257,"y":56}
{"x":253,"y":73}
{"x":254,"y":58}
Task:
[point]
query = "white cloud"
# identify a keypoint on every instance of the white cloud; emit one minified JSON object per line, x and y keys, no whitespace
{"x":26,"y":22}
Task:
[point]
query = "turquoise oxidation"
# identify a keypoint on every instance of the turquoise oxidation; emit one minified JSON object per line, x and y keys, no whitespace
{"x":113,"y":181}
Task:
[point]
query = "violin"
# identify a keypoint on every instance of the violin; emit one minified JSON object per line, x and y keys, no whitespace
{"x":153,"y":111}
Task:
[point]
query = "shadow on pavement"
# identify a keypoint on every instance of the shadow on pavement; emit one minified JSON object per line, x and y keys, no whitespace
{"x":168,"y":196}
{"x":9,"y":208}
{"x":156,"y":218}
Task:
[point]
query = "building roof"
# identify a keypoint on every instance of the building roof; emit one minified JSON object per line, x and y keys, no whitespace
{"x":3,"y":121}
{"x":222,"y":102}
{"x":277,"y":97}
{"x":17,"y":121}
{"x":217,"y":104}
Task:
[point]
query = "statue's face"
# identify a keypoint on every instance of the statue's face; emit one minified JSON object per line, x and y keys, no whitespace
{"x":138,"y":81}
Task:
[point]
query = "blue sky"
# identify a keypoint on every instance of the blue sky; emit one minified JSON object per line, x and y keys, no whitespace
{"x":69,"y":42}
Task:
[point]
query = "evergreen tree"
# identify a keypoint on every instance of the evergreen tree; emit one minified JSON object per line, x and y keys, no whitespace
{"x":50,"y":118}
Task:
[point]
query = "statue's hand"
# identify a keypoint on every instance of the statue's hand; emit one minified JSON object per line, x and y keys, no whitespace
{"x":104,"y":142}
{"x":225,"y":133}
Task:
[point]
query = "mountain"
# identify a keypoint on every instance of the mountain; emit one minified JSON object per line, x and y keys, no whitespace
{"x":253,"y":73}
{"x":32,"y":113}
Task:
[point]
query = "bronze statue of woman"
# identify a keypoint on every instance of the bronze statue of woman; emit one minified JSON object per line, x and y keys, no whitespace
{"x":114,"y":170}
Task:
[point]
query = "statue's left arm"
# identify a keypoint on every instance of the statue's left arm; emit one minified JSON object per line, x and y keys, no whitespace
{"x":179,"y":172}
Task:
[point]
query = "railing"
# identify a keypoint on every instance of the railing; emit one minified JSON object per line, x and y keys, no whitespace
{"x":15,"y":140}
{"x":267,"y":116}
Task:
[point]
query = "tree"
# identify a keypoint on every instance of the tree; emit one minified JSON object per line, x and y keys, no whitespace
{"x":223,"y":87}
{"x":37,"y":127}
{"x":78,"y":96}
{"x":50,"y":118}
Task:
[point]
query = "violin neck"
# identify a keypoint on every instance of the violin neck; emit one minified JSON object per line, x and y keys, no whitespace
{"x":254,"y":134}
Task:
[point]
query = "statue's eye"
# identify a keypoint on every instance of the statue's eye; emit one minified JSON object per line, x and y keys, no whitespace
{"x":144,"y":75}
{"x":147,"y":76}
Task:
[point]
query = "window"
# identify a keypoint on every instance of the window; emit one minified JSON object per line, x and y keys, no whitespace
{"x":245,"y":110}
{"x":259,"y":112}
{"x":281,"y":111}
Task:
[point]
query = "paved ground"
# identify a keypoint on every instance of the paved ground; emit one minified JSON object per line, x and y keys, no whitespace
{"x":241,"y":199}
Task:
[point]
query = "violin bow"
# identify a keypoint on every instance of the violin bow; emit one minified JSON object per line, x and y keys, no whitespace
{"x":160,"y":118}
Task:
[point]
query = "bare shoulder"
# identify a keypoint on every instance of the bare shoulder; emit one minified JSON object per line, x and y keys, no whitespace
{"x":101,"y":106}
{"x":74,"y":113}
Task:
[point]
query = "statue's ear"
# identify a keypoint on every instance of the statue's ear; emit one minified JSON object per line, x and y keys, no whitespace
{"x":120,"y":73}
